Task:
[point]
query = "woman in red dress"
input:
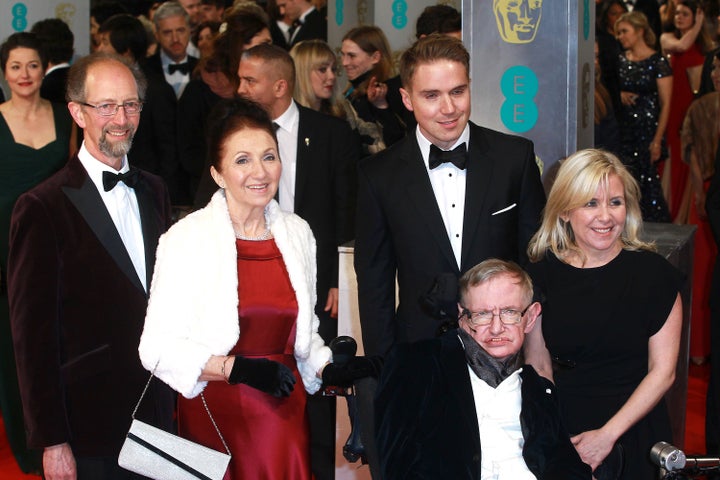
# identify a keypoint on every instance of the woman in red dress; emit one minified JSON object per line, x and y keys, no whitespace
{"x":685,"y":46}
{"x":231,"y":310}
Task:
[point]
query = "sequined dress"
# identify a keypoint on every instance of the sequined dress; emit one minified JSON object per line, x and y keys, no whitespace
{"x":638,"y":124}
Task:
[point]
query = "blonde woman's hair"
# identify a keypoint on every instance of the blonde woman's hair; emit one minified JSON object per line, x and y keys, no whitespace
{"x":638,"y":21}
{"x":577,"y":181}
{"x":309,"y":55}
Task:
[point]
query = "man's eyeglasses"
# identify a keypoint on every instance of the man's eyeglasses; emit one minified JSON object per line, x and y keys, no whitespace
{"x":508,"y":316}
{"x":109,"y":109}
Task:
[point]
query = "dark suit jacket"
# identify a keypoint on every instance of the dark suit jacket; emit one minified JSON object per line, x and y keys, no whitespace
{"x":277,"y":35}
{"x":77,"y":309}
{"x":314,"y":26}
{"x":154,"y":147}
{"x":54,"y":84}
{"x":325,"y":185}
{"x":400,"y":229}
{"x":153,"y":65}
{"x":427,"y":426}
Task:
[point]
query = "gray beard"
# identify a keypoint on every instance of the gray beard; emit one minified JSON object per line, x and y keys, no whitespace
{"x":115,"y":149}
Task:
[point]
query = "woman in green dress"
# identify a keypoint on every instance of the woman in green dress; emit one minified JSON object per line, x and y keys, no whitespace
{"x":36,"y":139}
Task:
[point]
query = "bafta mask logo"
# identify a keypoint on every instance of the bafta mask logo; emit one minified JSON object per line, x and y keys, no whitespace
{"x":65,"y":12}
{"x":517,"y":20}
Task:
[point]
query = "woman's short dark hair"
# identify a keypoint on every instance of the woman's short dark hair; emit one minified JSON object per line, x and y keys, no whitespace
{"x":230,"y":116}
{"x":21,"y":40}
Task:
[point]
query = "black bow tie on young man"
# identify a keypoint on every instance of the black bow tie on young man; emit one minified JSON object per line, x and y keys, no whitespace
{"x":457,"y":156}
{"x":183,"y":68}
{"x":111,"y":179}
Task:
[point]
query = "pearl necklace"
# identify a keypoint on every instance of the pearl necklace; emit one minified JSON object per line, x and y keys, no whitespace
{"x":263,"y":236}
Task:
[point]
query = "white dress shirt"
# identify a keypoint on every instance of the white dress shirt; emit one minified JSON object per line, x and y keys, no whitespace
{"x":448,"y":184}
{"x":178,"y":80}
{"x":287,"y":136}
{"x":501,"y":438}
{"x":122,"y":205}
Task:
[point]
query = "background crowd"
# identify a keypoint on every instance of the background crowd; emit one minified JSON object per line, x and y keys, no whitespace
{"x":225,"y":90}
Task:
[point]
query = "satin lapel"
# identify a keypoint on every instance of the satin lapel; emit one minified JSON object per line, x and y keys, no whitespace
{"x":478,"y":184}
{"x":454,"y":369}
{"x":421,"y":194}
{"x":303,"y":157}
{"x":92,"y":208}
{"x":150,"y":228}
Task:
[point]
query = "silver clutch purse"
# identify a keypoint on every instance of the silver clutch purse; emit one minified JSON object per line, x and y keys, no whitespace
{"x":157,"y":454}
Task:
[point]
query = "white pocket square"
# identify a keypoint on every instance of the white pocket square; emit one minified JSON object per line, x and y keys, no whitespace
{"x":509,"y":207}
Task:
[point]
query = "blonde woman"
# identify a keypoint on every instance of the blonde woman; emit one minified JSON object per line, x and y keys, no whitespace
{"x":611,"y":316}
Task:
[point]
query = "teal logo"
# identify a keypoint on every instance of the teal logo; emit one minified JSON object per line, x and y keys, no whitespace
{"x":399,"y":9}
{"x":339,"y":11}
{"x":586,"y":18}
{"x":519,"y":85}
{"x":19,"y":17}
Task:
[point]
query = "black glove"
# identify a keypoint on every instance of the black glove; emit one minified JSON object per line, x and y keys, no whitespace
{"x":355,"y":369}
{"x":263,"y":374}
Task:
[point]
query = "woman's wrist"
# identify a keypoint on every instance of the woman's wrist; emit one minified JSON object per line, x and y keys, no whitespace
{"x":224,"y":371}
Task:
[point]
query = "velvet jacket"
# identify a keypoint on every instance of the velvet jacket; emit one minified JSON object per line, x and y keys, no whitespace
{"x":193,"y":308}
{"x":427,"y":426}
{"x":77,"y":307}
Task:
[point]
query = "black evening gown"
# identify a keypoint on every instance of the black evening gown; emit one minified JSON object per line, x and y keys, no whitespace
{"x":596,"y":324}
{"x":638,"y":124}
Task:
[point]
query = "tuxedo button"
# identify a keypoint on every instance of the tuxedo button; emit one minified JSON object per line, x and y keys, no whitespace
{"x":476,"y":457}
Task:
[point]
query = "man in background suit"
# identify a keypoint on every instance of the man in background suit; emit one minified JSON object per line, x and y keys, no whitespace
{"x":483,"y":413}
{"x":308,"y":22}
{"x":319,"y":155}
{"x":82,"y":248}
{"x":435,"y":204}
{"x":57,"y":41}
{"x":171,"y":61}
{"x":154,"y":146}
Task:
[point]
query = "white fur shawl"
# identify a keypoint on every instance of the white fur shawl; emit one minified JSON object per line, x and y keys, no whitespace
{"x":192,"y":313}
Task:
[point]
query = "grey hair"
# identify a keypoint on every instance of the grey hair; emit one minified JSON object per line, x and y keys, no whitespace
{"x":170,"y":9}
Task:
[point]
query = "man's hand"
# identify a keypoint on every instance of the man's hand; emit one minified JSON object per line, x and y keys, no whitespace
{"x":332,"y":302}
{"x":59,"y":463}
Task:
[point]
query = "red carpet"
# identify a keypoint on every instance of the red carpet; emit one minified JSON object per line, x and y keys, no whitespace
{"x":694,"y":429}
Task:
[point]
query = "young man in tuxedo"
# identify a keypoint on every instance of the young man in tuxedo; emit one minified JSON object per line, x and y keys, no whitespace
{"x":482,"y":412}
{"x":308,"y":22}
{"x":82,"y":250}
{"x":444,"y":198}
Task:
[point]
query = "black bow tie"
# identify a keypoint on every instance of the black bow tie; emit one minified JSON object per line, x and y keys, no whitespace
{"x":111,"y":179}
{"x":183,"y":68}
{"x":457,"y":156}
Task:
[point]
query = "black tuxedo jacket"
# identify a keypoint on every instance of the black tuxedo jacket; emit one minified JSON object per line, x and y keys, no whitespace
{"x":154,"y":147}
{"x":427,"y":425}
{"x":400,"y":230}
{"x":153,"y":65}
{"x":325,"y":185}
{"x":314,"y":26}
{"x":54,"y":85}
{"x":77,"y":309}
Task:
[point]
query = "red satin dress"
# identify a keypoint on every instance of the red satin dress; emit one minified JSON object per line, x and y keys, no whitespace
{"x":268,"y":437}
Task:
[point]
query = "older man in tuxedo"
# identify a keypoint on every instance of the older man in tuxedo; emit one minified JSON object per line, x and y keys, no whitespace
{"x":446,"y":197}
{"x":171,"y":61}
{"x":463,"y":406}
{"x":82,"y":248}
{"x":319,"y":155}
